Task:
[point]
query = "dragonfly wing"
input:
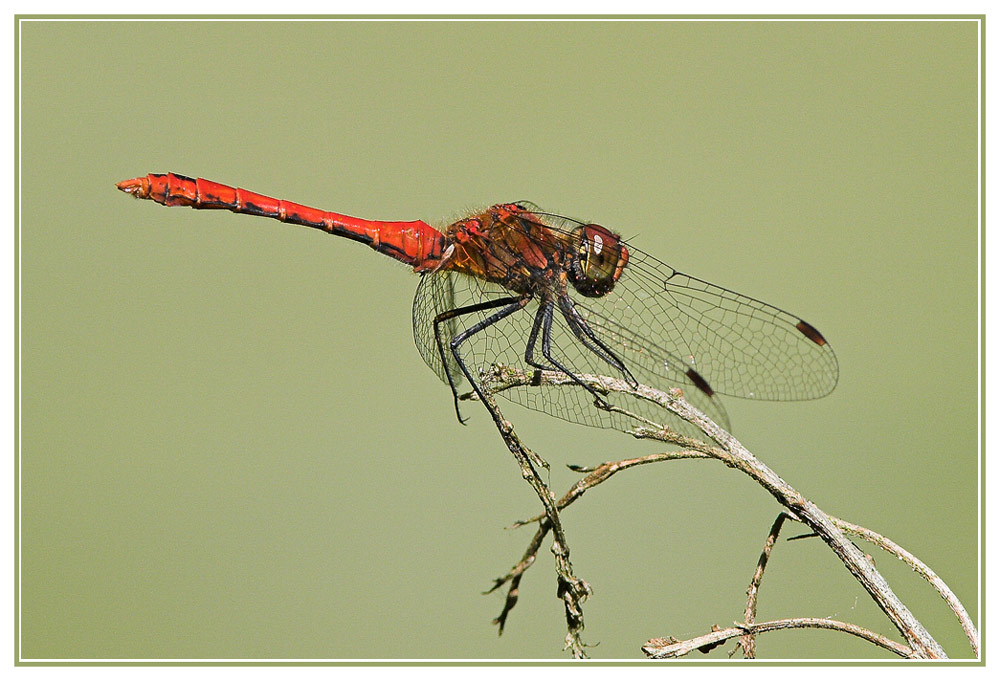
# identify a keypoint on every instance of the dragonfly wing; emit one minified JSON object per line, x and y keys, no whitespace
{"x":741,"y":346}
{"x":445,"y":291}
{"x":660,"y":327}
{"x":504,"y":343}
{"x":646,"y":364}
{"x":436,"y":294}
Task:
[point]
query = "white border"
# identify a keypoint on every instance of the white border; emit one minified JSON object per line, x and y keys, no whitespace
{"x":195,"y":7}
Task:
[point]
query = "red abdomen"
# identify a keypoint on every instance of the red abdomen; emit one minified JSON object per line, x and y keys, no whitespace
{"x":415,"y":243}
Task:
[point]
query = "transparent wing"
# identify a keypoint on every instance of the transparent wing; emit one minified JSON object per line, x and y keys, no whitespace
{"x":669,"y":329}
{"x":741,"y":346}
{"x":505,"y":343}
{"x":436,"y":294}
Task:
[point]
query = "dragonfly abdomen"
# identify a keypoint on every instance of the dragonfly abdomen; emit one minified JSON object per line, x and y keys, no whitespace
{"x":414,"y":242}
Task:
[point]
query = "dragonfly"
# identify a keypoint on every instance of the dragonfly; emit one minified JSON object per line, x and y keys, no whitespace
{"x":516,"y":286}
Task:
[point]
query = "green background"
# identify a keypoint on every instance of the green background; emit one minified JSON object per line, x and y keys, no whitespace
{"x":231,"y":449}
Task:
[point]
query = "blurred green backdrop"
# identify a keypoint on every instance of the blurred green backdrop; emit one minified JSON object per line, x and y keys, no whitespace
{"x":231,"y":448}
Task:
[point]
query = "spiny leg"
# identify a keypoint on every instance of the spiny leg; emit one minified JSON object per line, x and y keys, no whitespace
{"x":529,"y":349}
{"x":547,"y":354}
{"x":512,"y":303}
{"x":581,"y":329}
{"x":518,"y":304}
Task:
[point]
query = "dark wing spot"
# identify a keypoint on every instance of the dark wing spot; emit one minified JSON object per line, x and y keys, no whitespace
{"x":811,"y":333}
{"x":699,"y":382}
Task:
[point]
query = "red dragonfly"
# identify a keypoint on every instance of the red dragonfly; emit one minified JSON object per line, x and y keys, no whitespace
{"x":513,"y":281}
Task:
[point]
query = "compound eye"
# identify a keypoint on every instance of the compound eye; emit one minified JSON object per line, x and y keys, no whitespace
{"x":598,"y":261}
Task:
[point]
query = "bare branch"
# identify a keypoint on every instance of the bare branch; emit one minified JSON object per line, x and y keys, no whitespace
{"x":664,"y":648}
{"x":572,"y":590}
{"x":735,"y":455}
{"x":598,"y":474}
{"x":750,"y":614}
{"x":514,"y":575}
{"x":920,"y":568}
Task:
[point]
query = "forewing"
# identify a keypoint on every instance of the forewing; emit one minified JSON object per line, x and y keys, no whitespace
{"x":741,"y":346}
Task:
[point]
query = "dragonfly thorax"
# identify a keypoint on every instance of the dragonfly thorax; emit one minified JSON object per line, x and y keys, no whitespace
{"x":499,"y":246}
{"x":512,"y":247}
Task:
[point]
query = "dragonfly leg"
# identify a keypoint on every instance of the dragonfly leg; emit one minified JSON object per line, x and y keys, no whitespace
{"x":581,"y":329}
{"x":509,"y":304}
{"x":529,"y":349}
{"x":547,"y":354}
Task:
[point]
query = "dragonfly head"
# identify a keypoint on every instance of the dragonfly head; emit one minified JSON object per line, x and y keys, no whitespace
{"x":598,"y":260}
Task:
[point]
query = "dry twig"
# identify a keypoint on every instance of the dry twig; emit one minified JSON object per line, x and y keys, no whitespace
{"x":920,"y":568}
{"x":663,"y":648}
{"x":750,"y":614}
{"x":572,"y":590}
{"x":734,"y":455}
{"x":598,"y":474}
